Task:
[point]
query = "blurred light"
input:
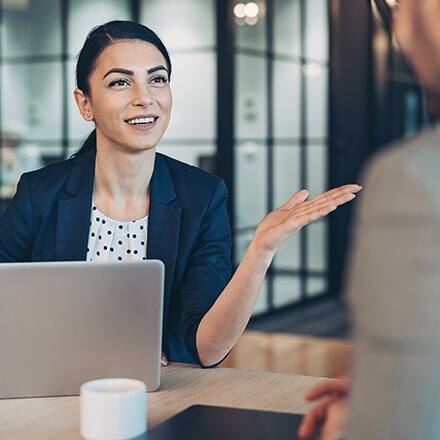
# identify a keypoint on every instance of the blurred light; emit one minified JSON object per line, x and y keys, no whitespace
{"x":239,"y":21}
{"x":239,"y":10}
{"x":251,"y":20}
{"x":15,"y":4}
{"x":312,"y":69}
{"x":247,"y":13}
{"x":250,"y":150}
{"x":251,"y":10}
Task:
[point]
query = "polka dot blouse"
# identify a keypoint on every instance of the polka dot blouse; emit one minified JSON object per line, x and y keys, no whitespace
{"x":111,"y":240}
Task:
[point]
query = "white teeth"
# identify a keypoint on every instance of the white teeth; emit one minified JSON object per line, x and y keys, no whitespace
{"x":141,"y":121}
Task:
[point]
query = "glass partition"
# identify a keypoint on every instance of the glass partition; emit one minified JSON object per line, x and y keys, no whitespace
{"x":188,"y":31}
{"x":281,"y":130}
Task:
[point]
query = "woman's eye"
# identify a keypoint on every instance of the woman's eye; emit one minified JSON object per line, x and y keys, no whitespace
{"x":159,"y":80}
{"x":119,"y":83}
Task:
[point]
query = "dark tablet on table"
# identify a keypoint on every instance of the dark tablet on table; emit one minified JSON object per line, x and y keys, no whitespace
{"x":201,"y":422}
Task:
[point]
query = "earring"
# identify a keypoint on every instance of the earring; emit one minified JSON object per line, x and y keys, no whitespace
{"x":88,"y":116}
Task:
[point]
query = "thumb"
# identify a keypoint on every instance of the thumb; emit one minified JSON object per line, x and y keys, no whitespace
{"x":296,"y":199}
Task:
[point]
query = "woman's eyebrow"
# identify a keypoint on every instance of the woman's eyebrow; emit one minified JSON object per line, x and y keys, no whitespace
{"x":119,"y":70}
{"x":131,"y":73}
{"x":155,"y":69}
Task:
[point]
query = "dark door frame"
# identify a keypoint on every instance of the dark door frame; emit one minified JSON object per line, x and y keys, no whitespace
{"x":350,"y":118}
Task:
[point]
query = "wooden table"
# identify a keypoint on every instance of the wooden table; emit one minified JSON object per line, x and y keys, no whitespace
{"x":182,"y":386}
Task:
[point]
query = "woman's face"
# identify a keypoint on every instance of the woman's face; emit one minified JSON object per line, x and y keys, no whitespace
{"x":130,"y":97}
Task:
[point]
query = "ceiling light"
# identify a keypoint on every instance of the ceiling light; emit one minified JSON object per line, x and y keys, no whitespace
{"x":251,"y":20}
{"x":239,"y":10}
{"x":312,"y":69}
{"x":251,"y":10}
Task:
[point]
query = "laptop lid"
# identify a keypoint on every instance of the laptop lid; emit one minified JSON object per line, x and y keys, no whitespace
{"x":65,"y":323}
{"x":202,"y":422}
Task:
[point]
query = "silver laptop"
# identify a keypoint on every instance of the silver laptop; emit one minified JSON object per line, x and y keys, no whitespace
{"x":62,"y":324}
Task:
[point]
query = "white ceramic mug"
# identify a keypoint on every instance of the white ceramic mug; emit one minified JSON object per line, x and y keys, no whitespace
{"x":113,"y":409}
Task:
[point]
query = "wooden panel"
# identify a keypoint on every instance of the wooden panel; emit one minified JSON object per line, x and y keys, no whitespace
{"x":285,"y":353}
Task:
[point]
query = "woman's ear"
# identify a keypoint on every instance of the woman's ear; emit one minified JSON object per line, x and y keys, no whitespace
{"x":83,"y":103}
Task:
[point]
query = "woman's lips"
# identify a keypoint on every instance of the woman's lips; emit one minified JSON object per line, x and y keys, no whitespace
{"x":143,"y":127}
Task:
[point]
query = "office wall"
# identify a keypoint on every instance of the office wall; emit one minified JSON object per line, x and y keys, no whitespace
{"x":280,"y":142}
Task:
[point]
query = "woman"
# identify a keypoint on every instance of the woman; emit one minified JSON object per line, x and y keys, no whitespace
{"x":98,"y":205}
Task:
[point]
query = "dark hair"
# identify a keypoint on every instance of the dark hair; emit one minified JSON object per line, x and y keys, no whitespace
{"x":97,"y":40}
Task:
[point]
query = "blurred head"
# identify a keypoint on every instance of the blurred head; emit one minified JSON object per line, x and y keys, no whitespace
{"x":417,"y":27}
{"x":12,"y":134}
{"x":9,"y":140}
{"x":123,"y":73}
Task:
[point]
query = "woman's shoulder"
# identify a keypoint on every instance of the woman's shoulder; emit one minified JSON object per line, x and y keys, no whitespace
{"x":52,"y":176}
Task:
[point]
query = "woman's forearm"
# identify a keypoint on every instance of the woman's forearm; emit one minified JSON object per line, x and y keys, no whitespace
{"x":225,"y":322}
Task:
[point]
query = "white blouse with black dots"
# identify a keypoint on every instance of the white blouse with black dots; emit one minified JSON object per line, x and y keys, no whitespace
{"x":112,"y":240}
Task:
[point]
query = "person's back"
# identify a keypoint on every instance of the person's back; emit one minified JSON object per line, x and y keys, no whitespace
{"x":394,"y":286}
{"x":394,"y":281}
{"x":394,"y":290}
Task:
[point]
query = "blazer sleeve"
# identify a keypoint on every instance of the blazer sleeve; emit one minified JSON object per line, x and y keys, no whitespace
{"x":209,"y":268}
{"x":16,"y":226}
{"x":394,"y":294}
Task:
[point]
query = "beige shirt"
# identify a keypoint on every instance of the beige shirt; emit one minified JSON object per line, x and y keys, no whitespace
{"x":394,"y":292}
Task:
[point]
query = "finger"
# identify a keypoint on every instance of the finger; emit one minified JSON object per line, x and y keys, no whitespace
{"x":163,"y":360}
{"x":336,"y":201}
{"x":313,"y":419}
{"x":335,"y":192}
{"x":336,"y":386}
{"x":318,"y":204}
{"x":335,"y":423}
{"x":314,"y":211}
{"x":342,"y":199}
{"x":351,"y":187}
{"x":308,"y":207}
{"x":300,"y":220}
{"x":296,"y":199}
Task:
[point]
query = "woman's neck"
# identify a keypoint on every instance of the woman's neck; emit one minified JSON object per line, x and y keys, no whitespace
{"x":122,"y":179}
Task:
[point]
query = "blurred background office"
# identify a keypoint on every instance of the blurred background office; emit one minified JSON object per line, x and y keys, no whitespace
{"x":272,"y":96}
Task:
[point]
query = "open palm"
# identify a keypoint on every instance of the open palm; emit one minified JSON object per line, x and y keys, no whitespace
{"x":276,"y":228}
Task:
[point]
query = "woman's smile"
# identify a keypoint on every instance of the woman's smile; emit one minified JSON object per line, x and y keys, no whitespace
{"x":143,"y":122}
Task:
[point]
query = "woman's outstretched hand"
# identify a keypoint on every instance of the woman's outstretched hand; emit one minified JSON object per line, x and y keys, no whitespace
{"x":277,"y":227}
{"x":226,"y":320}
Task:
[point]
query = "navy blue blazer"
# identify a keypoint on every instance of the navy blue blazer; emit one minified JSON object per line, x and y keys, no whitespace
{"x":188,"y":229}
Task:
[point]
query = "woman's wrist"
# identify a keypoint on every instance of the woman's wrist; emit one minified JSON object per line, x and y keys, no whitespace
{"x":260,"y":256}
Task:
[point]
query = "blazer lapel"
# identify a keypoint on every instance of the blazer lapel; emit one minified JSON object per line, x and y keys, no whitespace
{"x":73,"y":210}
{"x":163,"y":224}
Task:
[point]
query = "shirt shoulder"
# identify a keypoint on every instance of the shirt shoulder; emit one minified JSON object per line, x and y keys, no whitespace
{"x":417,"y":156}
{"x":403,"y":182}
{"x":51,"y":177}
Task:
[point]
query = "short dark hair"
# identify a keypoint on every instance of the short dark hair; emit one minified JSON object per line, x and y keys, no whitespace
{"x":97,"y":40}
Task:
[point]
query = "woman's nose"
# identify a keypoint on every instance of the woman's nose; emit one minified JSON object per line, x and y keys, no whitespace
{"x":143,"y":97}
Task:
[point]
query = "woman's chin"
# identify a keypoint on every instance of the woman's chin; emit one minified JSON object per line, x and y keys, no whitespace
{"x":138,"y":148}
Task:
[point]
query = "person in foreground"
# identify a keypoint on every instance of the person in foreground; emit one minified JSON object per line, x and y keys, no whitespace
{"x":394,"y":282}
{"x":99,"y":205}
